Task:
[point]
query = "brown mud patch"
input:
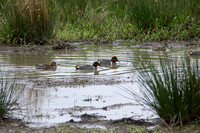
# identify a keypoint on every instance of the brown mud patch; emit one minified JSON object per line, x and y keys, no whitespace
{"x":55,"y":44}
{"x":51,"y":45}
{"x":124,"y":125}
{"x":89,"y":121}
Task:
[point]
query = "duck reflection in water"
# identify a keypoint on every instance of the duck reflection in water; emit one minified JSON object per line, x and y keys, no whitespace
{"x":114,"y":66}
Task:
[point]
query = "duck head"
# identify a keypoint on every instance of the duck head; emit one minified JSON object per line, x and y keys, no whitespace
{"x":53,"y":64}
{"x":114,"y":59}
{"x":96,"y":63}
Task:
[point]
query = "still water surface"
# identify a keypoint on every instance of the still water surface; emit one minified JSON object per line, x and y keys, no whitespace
{"x":50,"y":105}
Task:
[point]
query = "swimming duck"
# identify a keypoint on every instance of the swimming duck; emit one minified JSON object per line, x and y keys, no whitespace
{"x":46,"y":66}
{"x":108,"y":62}
{"x":160,"y":47}
{"x":194,"y":52}
{"x":88,"y":67}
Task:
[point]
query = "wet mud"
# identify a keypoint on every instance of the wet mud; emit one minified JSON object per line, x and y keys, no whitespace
{"x":63,"y":45}
{"x":51,"y":45}
{"x":88,"y":121}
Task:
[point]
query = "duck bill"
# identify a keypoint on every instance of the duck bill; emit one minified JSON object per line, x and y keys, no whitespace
{"x":99,"y":63}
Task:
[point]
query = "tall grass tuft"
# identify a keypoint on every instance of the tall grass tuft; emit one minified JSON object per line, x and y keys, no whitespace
{"x":27,"y":22}
{"x":172,"y":90}
{"x":152,"y":14}
{"x":72,"y":11}
{"x":10,"y":92}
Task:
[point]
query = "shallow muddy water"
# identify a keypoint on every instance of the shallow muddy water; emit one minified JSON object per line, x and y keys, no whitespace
{"x":46,"y":105}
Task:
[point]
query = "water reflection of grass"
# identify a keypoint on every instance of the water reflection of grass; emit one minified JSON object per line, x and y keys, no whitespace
{"x":10,"y":92}
{"x":172,"y":90}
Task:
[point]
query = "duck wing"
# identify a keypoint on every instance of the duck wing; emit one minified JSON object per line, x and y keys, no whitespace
{"x":84,"y":67}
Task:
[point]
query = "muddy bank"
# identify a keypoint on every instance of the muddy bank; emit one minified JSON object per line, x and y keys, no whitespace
{"x":51,"y":45}
{"x":95,"y":125}
{"x":63,"y":45}
{"x":124,"y":125}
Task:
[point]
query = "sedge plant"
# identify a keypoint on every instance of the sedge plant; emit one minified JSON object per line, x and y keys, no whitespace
{"x":25,"y":22}
{"x":10,"y":92}
{"x":171,"y":88}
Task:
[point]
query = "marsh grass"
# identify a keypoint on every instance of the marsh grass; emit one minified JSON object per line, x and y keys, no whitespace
{"x":171,"y":88}
{"x":96,"y":22}
{"x":34,"y":21}
{"x":10,"y":92}
{"x":153,"y":14}
{"x":27,"y":21}
{"x":72,"y":11}
{"x":104,"y":20}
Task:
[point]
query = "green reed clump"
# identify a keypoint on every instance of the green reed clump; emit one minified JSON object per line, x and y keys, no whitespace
{"x":25,"y":22}
{"x":71,"y":11}
{"x":10,"y":92}
{"x":93,"y":21}
{"x":170,"y":88}
{"x":158,"y":13}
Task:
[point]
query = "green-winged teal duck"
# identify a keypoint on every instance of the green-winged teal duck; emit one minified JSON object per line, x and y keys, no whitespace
{"x":160,"y":47}
{"x":194,"y":52}
{"x":46,"y":66}
{"x":88,"y":67}
{"x":107,"y":61}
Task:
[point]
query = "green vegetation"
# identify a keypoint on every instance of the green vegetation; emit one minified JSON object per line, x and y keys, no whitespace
{"x":25,"y":22}
{"x":99,"y":21}
{"x":171,"y":90}
{"x":10,"y":92}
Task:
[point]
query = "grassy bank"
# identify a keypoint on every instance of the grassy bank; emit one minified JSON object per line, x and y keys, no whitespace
{"x":99,"y":21}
